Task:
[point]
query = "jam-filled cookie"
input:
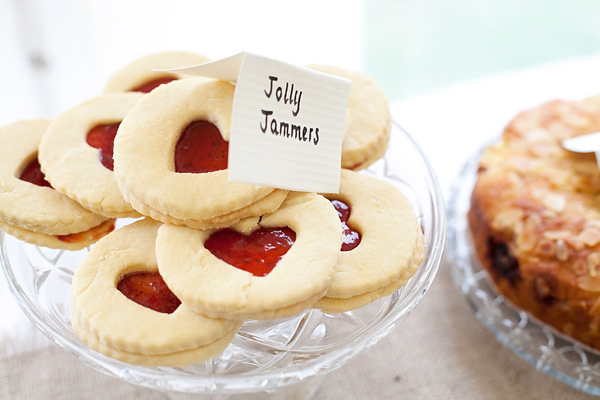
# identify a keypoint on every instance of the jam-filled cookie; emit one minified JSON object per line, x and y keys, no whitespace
{"x":139,"y":75}
{"x":76,"y":153}
{"x":121,"y":307}
{"x":171,"y":158}
{"x":383,"y":243}
{"x":368,"y":120}
{"x":30,"y":209}
{"x":261,"y":268}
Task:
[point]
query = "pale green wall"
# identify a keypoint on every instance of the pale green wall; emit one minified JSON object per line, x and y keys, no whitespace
{"x":416,"y":45}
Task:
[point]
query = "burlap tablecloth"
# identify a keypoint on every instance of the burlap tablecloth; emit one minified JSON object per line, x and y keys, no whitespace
{"x":441,"y":351}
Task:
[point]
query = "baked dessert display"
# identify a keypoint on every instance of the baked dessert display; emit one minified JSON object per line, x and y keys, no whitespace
{"x":368,"y":122}
{"x":535,"y":217}
{"x":205,"y":269}
{"x":139,"y":75}
{"x":30,"y":209}
{"x":383,"y":243}
{"x":173,"y":288}
{"x":171,"y":158}
{"x":76,"y":153}
{"x":117,"y":309}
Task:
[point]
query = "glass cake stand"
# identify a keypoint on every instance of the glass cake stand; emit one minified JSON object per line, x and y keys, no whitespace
{"x":543,"y":346}
{"x":280,"y":358}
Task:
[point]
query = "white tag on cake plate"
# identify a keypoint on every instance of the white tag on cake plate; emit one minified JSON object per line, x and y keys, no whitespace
{"x":287,"y":122}
{"x":589,"y":143}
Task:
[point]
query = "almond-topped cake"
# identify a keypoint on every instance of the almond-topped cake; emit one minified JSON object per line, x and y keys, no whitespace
{"x":535,"y":217}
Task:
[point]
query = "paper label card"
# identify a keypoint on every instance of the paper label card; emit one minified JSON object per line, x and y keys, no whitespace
{"x":287,"y":122}
{"x":589,"y":143}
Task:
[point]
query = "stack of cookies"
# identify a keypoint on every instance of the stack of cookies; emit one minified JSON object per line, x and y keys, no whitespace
{"x":205,"y":254}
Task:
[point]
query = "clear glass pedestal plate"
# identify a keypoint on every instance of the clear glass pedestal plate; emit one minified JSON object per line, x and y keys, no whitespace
{"x":285,"y":358}
{"x":544,"y":347}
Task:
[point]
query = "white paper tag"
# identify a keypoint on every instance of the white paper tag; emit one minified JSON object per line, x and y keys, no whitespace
{"x":589,"y":143}
{"x":287,"y":122}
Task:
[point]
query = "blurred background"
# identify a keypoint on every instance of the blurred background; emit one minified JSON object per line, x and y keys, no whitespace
{"x":59,"y":53}
{"x":451,"y":69}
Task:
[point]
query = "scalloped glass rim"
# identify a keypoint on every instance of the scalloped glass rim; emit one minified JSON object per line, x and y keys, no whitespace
{"x":404,"y":166}
{"x":544,"y":347}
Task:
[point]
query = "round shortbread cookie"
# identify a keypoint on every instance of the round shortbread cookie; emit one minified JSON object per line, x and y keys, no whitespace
{"x":368,"y":120}
{"x":176,"y":359}
{"x":213,"y":287}
{"x":30,"y":209}
{"x":391,"y":245}
{"x":74,"y":167}
{"x":102,"y":312}
{"x":140,"y":72}
{"x":333,"y":305}
{"x":74,"y":241}
{"x":270,"y":202}
{"x":144,"y":153}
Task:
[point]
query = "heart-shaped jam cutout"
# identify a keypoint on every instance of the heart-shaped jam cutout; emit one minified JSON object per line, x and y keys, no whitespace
{"x":32,"y":173}
{"x":201,"y":148}
{"x":153,"y":84}
{"x":351,"y":236}
{"x":257,"y":253}
{"x":102,"y":137}
{"x":149,"y":290}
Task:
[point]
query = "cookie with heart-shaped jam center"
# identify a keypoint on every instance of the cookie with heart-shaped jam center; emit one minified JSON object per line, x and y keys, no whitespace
{"x":121,"y":307}
{"x":76,"y":153}
{"x":30,"y":209}
{"x":149,"y":290}
{"x":102,"y":137}
{"x":201,"y":148}
{"x":368,"y":120}
{"x":351,"y":236}
{"x":32,"y":173}
{"x":390,"y":248}
{"x":257,"y":253}
{"x":213,"y":286}
{"x":140,"y":75}
{"x":152,"y":84}
{"x":161,"y":151}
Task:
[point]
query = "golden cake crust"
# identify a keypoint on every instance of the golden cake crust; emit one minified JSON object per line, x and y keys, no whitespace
{"x":535,"y":217}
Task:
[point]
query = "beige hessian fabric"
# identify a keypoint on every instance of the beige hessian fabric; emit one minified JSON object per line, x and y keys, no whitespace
{"x":439,"y":352}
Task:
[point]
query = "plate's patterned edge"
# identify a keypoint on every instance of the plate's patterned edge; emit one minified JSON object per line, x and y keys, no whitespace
{"x":546,"y":349}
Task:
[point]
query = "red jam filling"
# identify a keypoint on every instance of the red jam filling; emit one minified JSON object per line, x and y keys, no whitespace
{"x":149,"y":290}
{"x":200,"y":149}
{"x":257,"y":253}
{"x":33,"y":174}
{"x":91,"y":235}
{"x":351,"y":237}
{"x":153,"y":84}
{"x":102,"y":137}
